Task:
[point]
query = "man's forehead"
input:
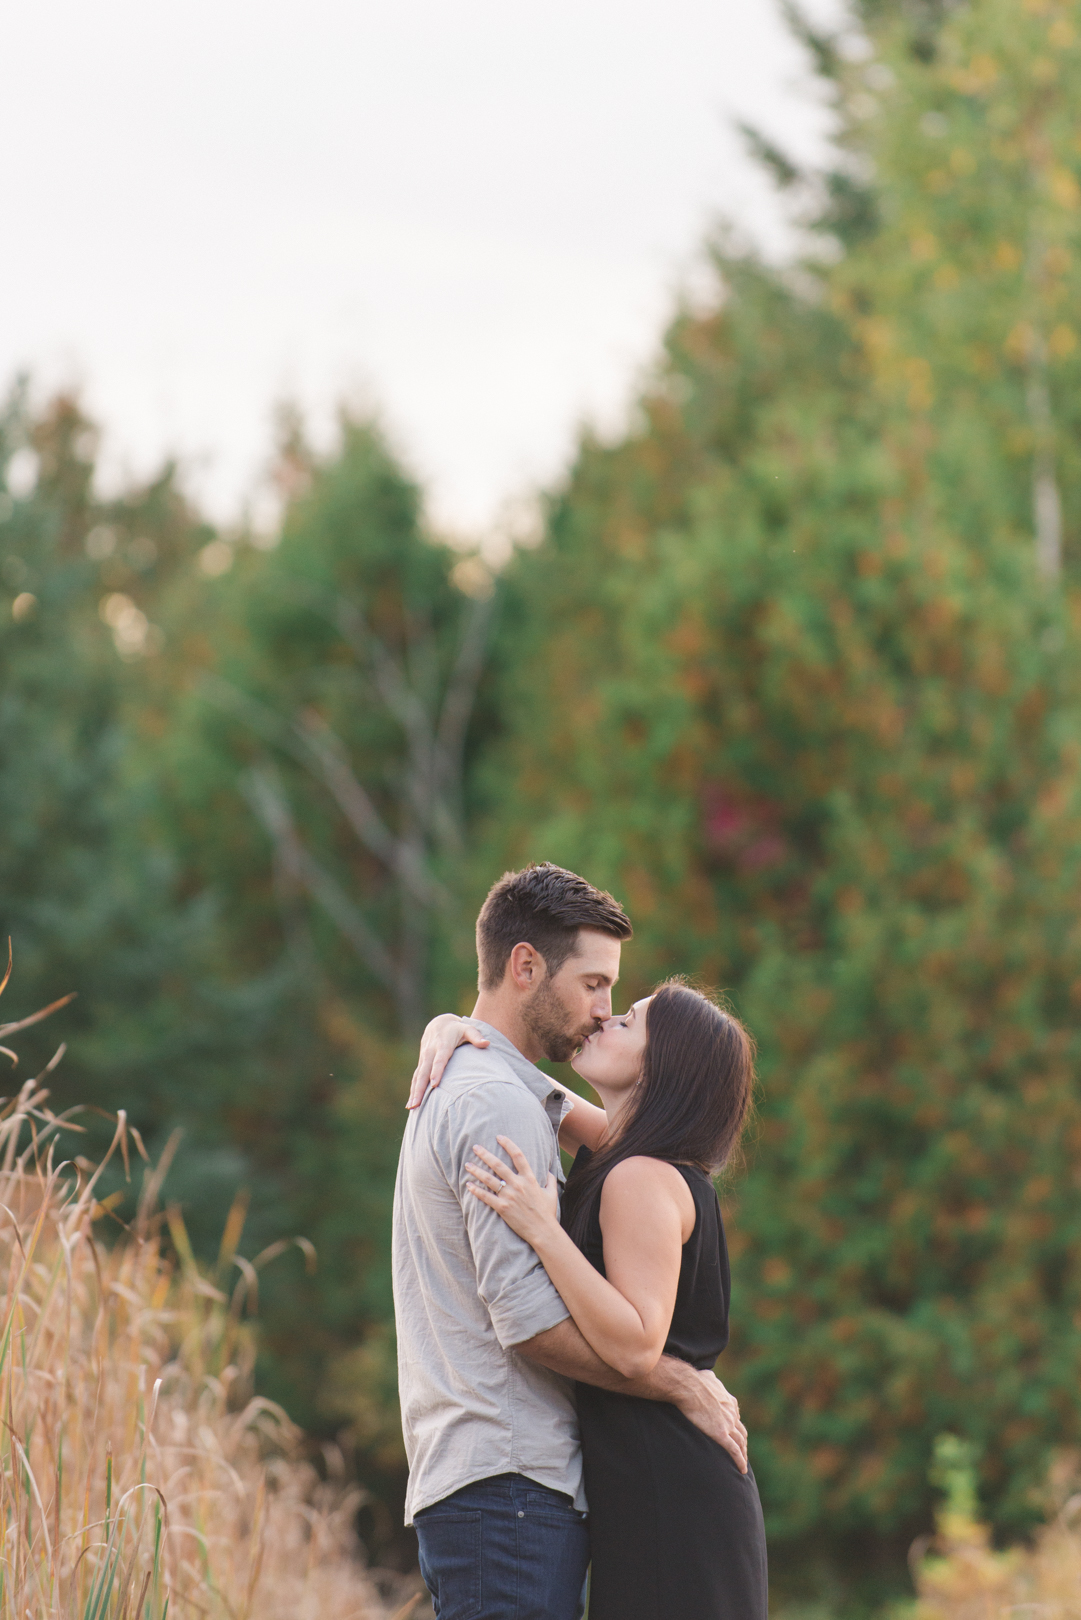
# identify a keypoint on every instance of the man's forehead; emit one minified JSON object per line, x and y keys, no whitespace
{"x":596,"y":952}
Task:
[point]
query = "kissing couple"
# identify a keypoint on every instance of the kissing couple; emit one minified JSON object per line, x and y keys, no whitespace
{"x":556,"y":1339}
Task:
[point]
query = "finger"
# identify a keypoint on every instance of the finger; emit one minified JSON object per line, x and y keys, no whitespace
{"x":442,"y":1056}
{"x":518,"y":1158}
{"x":502,"y":1170}
{"x":490,"y":1178}
{"x":485,"y":1177}
{"x":738,"y":1457}
{"x":438,"y":1065}
{"x":474,"y":1037}
{"x":485,"y":1197}
{"x":418,"y":1090}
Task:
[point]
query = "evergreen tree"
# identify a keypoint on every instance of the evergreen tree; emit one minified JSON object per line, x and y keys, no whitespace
{"x":87,"y":897}
{"x":312,"y":784}
{"x":812,"y":711}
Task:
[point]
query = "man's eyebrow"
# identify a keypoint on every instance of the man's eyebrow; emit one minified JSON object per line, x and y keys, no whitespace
{"x":601,"y":978}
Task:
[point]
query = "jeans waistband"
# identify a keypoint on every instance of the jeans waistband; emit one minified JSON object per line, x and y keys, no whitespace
{"x":499,"y":1487}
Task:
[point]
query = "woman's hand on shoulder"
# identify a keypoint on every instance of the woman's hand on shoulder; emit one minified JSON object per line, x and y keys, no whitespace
{"x":528,"y":1208}
{"x":442,"y":1036}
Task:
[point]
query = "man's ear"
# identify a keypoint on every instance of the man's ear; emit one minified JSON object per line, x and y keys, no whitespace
{"x":526,"y":967}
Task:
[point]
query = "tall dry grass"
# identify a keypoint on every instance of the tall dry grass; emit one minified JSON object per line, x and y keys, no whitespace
{"x":960,"y":1576}
{"x":139,"y":1479}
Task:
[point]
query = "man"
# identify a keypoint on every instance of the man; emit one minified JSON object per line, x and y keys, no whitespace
{"x":485,"y":1344}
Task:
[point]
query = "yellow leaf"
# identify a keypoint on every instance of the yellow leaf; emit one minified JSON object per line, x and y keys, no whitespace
{"x":920,"y":390}
{"x":1019,"y":342}
{"x":1063,"y":341}
{"x":1064,"y":188}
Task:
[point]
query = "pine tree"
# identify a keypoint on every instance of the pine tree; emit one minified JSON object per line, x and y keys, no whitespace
{"x":811,"y":710}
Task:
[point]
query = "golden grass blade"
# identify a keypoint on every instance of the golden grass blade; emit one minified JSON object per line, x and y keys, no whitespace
{"x":85,"y":1331}
{"x":34,"y":1018}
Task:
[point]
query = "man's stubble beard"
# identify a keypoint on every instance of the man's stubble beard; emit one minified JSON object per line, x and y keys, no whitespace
{"x":546,"y":1017}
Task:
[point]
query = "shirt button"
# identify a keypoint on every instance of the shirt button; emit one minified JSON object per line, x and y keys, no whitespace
{"x":521,"y":1515}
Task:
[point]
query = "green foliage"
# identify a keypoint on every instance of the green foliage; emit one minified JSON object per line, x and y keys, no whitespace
{"x":835,"y":751}
{"x":813,"y":714}
{"x":793,"y":671}
{"x":310,"y":782}
{"x":86,"y":886}
{"x":953,"y":1473}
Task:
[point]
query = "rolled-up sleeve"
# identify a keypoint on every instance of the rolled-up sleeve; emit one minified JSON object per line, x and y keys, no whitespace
{"x":511,"y":1282}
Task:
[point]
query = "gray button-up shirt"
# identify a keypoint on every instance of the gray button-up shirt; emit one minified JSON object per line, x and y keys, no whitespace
{"x":467,"y":1289}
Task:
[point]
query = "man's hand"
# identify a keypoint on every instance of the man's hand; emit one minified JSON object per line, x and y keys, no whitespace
{"x":442,"y":1036}
{"x":713,"y":1410}
{"x":700,"y":1396}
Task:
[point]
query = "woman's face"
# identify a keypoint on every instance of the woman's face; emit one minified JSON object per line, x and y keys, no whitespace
{"x":611,"y":1059}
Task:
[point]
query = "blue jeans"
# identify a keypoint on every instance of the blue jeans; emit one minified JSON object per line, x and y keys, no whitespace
{"x":504,"y":1548}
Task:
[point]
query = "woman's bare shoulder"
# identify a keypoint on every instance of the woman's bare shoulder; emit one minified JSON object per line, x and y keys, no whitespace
{"x":638,"y":1179}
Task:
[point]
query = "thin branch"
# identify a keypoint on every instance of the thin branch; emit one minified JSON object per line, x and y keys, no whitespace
{"x":296,"y":740}
{"x":312,"y":743}
{"x":1046,"y":501}
{"x":269,"y":805}
{"x":457,"y":708}
{"x":390,"y":680}
{"x":334,"y":769}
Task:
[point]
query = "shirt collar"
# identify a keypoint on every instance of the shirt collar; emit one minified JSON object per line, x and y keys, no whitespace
{"x":552,"y":1097}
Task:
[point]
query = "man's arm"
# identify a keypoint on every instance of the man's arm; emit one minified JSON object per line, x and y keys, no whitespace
{"x":700,"y":1396}
{"x":512,"y":1284}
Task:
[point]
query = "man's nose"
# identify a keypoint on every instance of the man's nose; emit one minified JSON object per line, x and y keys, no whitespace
{"x":602,"y":1007}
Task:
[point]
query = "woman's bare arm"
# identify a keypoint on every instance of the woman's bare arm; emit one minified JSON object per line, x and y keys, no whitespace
{"x":625,"y":1317}
{"x":699,"y":1395}
{"x":585,"y":1126}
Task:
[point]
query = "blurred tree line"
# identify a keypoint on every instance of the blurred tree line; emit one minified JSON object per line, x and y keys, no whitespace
{"x":793,"y":669}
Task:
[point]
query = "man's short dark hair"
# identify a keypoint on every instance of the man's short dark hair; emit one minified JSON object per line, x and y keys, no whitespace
{"x":543,"y":906}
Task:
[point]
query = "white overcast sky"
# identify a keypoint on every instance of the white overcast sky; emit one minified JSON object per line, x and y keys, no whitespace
{"x":471,"y":214}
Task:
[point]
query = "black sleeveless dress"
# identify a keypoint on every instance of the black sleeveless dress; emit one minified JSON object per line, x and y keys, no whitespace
{"x":675,"y":1529}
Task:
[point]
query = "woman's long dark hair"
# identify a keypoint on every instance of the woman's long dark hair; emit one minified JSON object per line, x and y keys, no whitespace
{"x":690,"y":1102}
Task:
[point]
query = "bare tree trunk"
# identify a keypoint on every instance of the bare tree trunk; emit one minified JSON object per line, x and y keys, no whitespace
{"x":428,"y":821}
{"x":1046,"y":501}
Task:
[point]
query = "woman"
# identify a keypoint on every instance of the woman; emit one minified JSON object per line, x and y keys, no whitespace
{"x":641,"y":1264}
